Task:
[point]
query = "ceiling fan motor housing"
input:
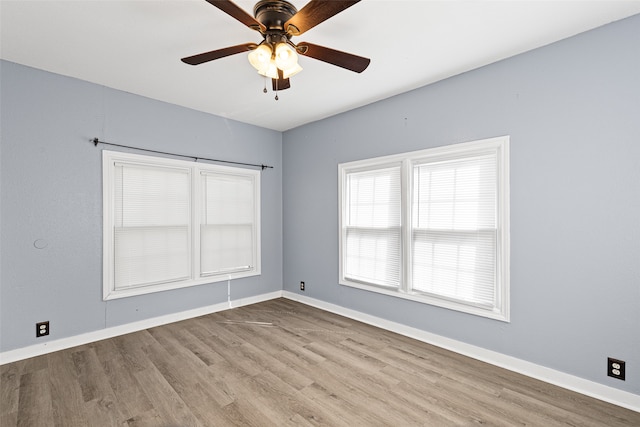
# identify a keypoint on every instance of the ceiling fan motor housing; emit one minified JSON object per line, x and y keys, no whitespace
{"x":273,"y":14}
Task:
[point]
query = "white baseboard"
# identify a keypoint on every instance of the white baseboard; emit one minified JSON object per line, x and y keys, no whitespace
{"x":64,"y":343}
{"x":561,"y":379}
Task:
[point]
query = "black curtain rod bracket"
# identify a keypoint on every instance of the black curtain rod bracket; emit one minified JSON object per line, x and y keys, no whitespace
{"x":96,"y":141}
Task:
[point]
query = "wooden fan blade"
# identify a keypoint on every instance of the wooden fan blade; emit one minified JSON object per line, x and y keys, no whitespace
{"x":313,"y":13}
{"x":235,"y":11}
{"x":280,"y":83}
{"x":217,"y":54}
{"x":342,"y":59}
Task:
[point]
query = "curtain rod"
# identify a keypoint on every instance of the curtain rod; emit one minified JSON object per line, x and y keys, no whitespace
{"x":96,"y":141}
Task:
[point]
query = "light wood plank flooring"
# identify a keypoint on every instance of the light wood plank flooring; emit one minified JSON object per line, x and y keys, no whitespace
{"x":281,"y":363}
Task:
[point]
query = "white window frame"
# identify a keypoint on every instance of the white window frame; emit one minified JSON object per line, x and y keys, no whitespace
{"x":110,"y":159}
{"x":499,"y":147}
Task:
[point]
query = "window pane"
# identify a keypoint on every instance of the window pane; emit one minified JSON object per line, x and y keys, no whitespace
{"x":373,"y":255}
{"x":455,"y":195}
{"x":151,"y":225}
{"x":374,"y":198}
{"x":228,"y":199}
{"x":150,"y":255}
{"x":372,"y":233}
{"x":226,"y":248}
{"x":454,"y":229}
{"x":151,"y":196}
{"x":227,"y":233}
{"x":454,"y":264}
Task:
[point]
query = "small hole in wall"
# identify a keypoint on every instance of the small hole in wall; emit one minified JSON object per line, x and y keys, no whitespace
{"x":40,"y":244}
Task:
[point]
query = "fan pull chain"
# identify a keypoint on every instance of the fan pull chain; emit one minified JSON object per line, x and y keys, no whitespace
{"x":276,"y":87}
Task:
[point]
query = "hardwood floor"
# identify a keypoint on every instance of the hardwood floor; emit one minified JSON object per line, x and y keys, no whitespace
{"x":281,"y":363}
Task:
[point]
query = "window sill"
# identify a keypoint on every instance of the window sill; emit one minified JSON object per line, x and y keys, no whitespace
{"x":425,"y":299}
{"x":143,"y":290}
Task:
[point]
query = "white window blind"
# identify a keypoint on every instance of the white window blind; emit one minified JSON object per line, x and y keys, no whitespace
{"x":151,"y":225}
{"x":228,"y":224}
{"x":170,"y":224}
{"x":372,"y":226}
{"x":454,"y":229}
{"x":430,"y":226}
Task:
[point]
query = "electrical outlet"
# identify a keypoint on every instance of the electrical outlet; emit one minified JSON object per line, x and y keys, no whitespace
{"x":615,"y":368}
{"x":302,"y":286}
{"x":42,"y":329}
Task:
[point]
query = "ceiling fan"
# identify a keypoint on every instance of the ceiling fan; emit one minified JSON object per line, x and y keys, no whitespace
{"x":278,"y":21}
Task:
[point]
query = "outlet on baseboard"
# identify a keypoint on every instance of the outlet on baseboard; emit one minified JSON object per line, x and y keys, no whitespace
{"x":616,"y":368}
{"x":302,"y":286}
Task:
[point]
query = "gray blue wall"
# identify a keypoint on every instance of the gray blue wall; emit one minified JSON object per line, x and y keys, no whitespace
{"x":572,"y":110}
{"x":51,"y":190}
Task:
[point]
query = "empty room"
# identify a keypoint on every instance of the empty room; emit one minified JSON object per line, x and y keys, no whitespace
{"x":320,"y":213}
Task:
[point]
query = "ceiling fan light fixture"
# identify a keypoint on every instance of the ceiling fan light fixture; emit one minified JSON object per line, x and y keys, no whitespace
{"x":260,"y":57}
{"x":291,"y":71}
{"x":286,"y":56}
{"x":270,"y":70}
{"x":277,"y":21}
{"x":268,"y":60}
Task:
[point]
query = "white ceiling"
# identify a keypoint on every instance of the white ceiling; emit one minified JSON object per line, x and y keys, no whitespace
{"x":136,"y":46}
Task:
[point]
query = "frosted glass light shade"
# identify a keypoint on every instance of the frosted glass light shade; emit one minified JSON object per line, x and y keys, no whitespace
{"x":291,"y":71}
{"x":286,"y":57}
{"x":260,"y":57}
{"x":270,"y":70}
{"x":268,"y":64}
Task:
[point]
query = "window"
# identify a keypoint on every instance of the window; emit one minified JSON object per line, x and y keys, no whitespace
{"x":372,"y":226}
{"x":430,"y":226}
{"x":170,"y":224}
